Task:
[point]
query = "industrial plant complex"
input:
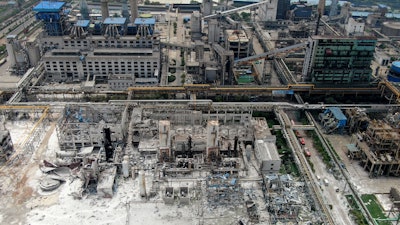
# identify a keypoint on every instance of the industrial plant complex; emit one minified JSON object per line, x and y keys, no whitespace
{"x":230,"y":112}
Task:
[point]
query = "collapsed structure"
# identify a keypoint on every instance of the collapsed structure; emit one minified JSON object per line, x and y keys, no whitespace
{"x":6,"y":145}
{"x":182,"y":156}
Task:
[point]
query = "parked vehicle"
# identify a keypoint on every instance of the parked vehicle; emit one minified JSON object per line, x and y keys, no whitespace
{"x":302,"y":141}
{"x":307,"y":152}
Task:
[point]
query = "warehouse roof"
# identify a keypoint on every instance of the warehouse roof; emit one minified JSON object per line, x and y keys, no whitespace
{"x":115,"y":20}
{"x":337,"y":113}
{"x":82,"y":23}
{"x":145,"y":21}
{"x":47,"y":6}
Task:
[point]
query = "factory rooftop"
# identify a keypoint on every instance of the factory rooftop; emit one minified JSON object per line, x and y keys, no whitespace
{"x":48,"y":6}
{"x":114,"y":20}
{"x":145,"y":21}
{"x":82,"y":23}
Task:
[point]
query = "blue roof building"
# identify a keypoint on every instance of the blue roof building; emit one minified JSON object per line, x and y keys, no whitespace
{"x":145,"y":21}
{"x":115,"y":21}
{"x":338,"y":114}
{"x":52,"y":16}
{"x":333,"y":120}
{"x":82,"y":23}
{"x":47,"y":6}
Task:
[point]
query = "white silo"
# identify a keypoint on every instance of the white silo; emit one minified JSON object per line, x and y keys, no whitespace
{"x":12,"y":46}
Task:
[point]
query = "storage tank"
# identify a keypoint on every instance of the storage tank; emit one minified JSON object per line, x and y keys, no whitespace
{"x":12,"y":47}
{"x":33,"y":53}
{"x":391,"y":28}
{"x":394,"y":72}
{"x":20,"y":58}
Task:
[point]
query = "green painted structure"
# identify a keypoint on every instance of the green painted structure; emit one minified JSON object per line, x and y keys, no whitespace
{"x":339,"y":60}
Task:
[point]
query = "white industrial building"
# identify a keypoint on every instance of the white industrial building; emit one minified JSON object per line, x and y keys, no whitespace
{"x":267,"y":155}
{"x":355,"y":27}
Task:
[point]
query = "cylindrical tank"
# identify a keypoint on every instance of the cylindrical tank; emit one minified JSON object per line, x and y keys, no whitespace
{"x":391,"y":28}
{"x":33,"y":53}
{"x":142,"y":184}
{"x":125,"y":166}
{"x":13,"y":46}
{"x":395,"y":67}
{"x":394,"y":73}
{"x":20,"y":58}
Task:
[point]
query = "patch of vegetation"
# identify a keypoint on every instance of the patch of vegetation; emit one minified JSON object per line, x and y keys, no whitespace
{"x":246,"y":16}
{"x":355,"y":211}
{"x":374,"y":208}
{"x":171,"y":78}
{"x":175,"y":27}
{"x":334,"y":150}
{"x":183,"y":78}
{"x":236,"y":17}
{"x":311,"y":165}
{"x":183,"y":61}
{"x":2,"y":48}
{"x":288,"y":165}
{"x":326,"y":158}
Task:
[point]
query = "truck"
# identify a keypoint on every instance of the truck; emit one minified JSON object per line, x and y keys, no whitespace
{"x":326,"y":182}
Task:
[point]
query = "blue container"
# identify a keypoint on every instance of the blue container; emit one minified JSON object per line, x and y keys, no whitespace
{"x":395,"y":67}
{"x":393,"y":78}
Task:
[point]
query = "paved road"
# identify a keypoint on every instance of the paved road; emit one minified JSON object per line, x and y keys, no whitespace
{"x":339,"y":209}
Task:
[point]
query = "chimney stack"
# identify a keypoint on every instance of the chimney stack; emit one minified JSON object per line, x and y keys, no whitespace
{"x":134,"y":10}
{"x":104,"y":9}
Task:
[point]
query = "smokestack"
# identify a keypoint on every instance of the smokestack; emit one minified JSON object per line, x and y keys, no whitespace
{"x":321,"y":7}
{"x":84,"y":9}
{"x":104,"y":9}
{"x":125,"y":11}
{"x":134,"y":10}
{"x":333,"y":11}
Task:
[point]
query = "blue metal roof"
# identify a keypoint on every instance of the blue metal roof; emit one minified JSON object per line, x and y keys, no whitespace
{"x":396,"y":63}
{"x":145,"y":21}
{"x":82,"y":23}
{"x":246,"y":1}
{"x":115,"y":20}
{"x":337,"y":113}
{"x":47,"y":6}
{"x":360,"y":14}
{"x":365,"y":14}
